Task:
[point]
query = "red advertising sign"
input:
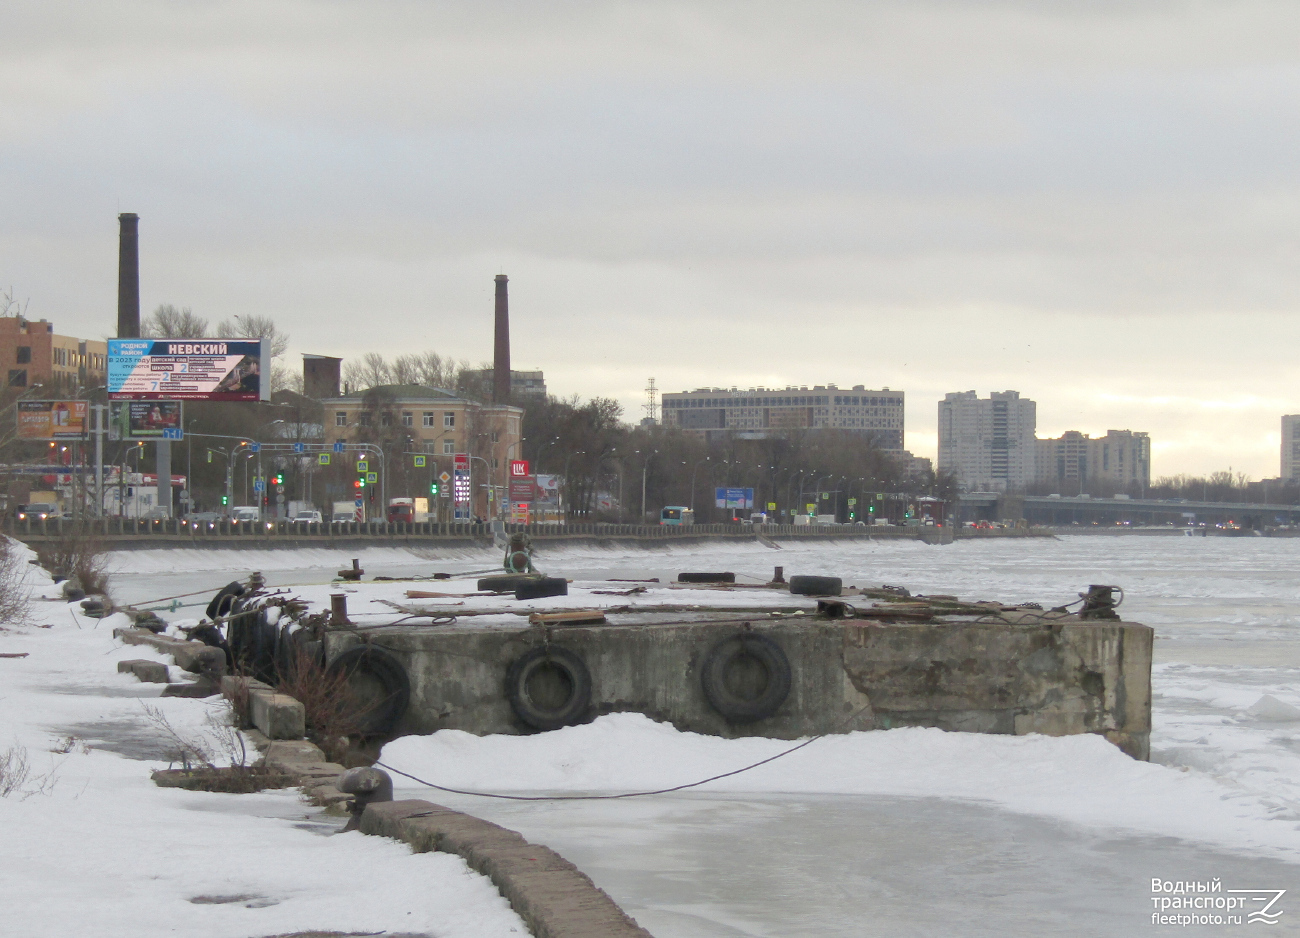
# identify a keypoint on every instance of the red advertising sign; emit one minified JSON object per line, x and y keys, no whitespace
{"x":518,"y":468}
{"x":462,"y":461}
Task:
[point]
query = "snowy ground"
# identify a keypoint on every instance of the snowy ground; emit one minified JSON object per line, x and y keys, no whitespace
{"x":909,"y":832}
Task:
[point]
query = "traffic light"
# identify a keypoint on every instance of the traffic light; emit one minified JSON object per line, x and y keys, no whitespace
{"x":225,"y":499}
{"x":433,"y":488}
{"x":360,"y":483}
{"x":279,"y":478}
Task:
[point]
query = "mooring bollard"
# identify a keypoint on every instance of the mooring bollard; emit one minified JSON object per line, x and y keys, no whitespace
{"x":339,"y":609}
{"x":779,"y":575}
{"x":366,"y":785}
{"x":354,"y":573}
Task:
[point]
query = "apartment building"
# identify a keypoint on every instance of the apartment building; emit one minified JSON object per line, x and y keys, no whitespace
{"x":988,"y":442}
{"x":1073,"y":461}
{"x":1291,"y":448}
{"x":31,"y":354}
{"x":756,"y":413}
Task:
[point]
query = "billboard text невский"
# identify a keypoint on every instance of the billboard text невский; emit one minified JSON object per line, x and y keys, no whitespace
{"x":187,"y":369}
{"x":52,"y":420}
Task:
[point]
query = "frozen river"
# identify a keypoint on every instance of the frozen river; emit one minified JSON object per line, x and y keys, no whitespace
{"x":936,"y":861}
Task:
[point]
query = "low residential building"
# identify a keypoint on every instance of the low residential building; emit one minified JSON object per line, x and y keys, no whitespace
{"x":409,"y":419}
{"x":755,"y":413}
{"x":1075,"y":461}
{"x":31,"y":354}
{"x":988,"y":443}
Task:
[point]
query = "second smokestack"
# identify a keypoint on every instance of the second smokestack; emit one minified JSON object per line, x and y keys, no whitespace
{"x":501,"y":349}
{"x":128,"y":276}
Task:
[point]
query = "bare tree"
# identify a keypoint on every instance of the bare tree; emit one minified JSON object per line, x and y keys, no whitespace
{"x":256,"y":327}
{"x":168,"y":322}
{"x":11,"y":307}
{"x":372,"y":370}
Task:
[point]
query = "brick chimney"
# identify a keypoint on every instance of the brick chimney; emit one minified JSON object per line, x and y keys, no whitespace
{"x":501,"y":349}
{"x":128,"y":276}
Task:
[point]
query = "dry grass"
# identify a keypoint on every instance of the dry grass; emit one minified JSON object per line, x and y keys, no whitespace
{"x":333,"y":718}
{"x":17,"y":776}
{"x":80,"y":554}
{"x":15,"y":594}
{"x":200,"y":755}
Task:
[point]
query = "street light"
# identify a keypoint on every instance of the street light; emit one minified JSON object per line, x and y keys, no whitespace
{"x":693,"y":471}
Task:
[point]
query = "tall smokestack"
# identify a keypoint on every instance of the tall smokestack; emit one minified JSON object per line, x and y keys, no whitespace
{"x":128,"y":276}
{"x":501,"y":351}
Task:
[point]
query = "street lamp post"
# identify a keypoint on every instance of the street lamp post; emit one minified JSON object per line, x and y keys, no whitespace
{"x":693,"y":472}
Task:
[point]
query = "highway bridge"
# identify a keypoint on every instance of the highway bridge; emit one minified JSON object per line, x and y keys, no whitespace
{"x":1080,"y":509}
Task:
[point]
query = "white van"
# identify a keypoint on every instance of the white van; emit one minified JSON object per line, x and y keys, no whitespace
{"x":246,"y":513}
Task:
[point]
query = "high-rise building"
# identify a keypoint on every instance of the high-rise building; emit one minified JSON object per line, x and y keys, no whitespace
{"x":988,"y":442}
{"x":759,"y":412}
{"x":1291,"y":448}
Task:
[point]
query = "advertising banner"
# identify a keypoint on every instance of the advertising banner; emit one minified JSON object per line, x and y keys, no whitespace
{"x":52,"y":420}
{"x":144,"y":420}
{"x":518,"y":468}
{"x":547,"y":489}
{"x":188,"y":369}
{"x":521,"y":490}
{"x":734,"y":498}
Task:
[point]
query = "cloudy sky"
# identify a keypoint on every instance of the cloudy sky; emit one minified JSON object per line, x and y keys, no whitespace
{"x":1095,"y":204}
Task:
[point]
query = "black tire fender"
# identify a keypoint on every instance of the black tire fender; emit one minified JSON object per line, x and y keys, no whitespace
{"x":225,"y":599}
{"x":724,"y":656}
{"x":564,"y":696}
{"x":505,"y":583}
{"x":540,"y":589}
{"x":816,"y":585}
{"x":706,"y":578}
{"x":368,"y":664}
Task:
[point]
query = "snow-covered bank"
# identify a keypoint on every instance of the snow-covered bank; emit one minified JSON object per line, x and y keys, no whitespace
{"x":103,"y":851}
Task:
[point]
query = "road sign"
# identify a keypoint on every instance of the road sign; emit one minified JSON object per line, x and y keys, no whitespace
{"x":254,"y":447}
{"x":338,"y":447}
{"x":811,"y":508}
{"x":419,"y":462}
{"x":362,"y":465}
{"x":852,"y":502}
{"x":372,"y":478}
{"x":323,"y":459}
{"x":299,"y":448}
{"x":173,"y":433}
{"x":771,"y":506}
{"x":259,"y":484}
{"x":445,"y":477}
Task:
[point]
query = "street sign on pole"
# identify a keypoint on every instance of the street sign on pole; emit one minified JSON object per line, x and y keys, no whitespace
{"x":338,"y":447}
{"x":173,"y":433}
{"x":254,"y":447}
{"x":362,"y":465}
{"x":299,"y":448}
{"x":445,"y":476}
{"x":258,"y":484}
{"x":419,"y":462}
{"x":372,"y":478}
{"x":323,"y":459}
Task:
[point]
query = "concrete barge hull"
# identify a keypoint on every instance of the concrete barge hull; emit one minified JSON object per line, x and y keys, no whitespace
{"x":1066,"y":677}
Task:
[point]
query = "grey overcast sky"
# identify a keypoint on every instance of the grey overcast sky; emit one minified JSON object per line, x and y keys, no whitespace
{"x":1093,"y":203}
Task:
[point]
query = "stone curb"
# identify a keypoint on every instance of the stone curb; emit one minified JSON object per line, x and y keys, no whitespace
{"x":554,"y":897}
{"x":195,"y":657}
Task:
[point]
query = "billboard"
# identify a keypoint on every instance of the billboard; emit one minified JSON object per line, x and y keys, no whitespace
{"x":188,"y":369}
{"x":52,"y":420}
{"x":733,"y":498}
{"x":144,"y":420}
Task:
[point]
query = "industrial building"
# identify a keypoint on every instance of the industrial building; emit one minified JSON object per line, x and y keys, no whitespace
{"x":1290,"y":448}
{"x":756,"y":413}
{"x":988,"y":442}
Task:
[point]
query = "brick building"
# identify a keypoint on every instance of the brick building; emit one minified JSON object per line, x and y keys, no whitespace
{"x":31,"y":354}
